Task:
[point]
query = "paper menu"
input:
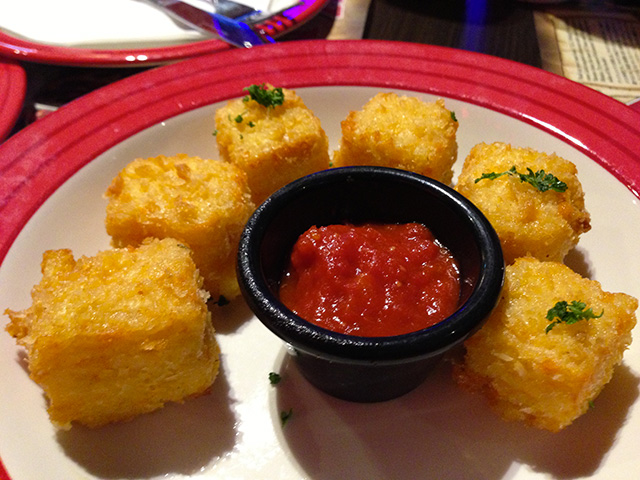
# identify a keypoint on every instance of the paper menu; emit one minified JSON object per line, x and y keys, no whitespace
{"x":598,"y":49}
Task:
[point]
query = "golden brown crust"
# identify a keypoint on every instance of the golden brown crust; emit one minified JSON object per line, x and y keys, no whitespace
{"x":203,"y":203}
{"x":545,"y":225}
{"x":274,"y":146}
{"x":400,"y":132}
{"x":546,"y":379}
{"x":119,"y":334}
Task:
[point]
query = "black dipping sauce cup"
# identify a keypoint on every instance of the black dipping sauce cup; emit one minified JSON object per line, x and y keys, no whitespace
{"x":368,"y":369}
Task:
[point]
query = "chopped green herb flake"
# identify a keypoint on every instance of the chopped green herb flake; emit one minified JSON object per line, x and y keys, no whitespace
{"x":274,"y":378}
{"x":540,"y":179}
{"x":215,"y":132}
{"x":264,"y":96}
{"x":453,"y":116}
{"x":569,"y":313}
{"x":238,"y":119}
{"x":490,"y":176}
{"x":251,"y":124}
{"x":285,"y":416}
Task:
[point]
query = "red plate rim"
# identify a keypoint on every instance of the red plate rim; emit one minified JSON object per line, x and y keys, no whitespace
{"x":13,"y":87}
{"x":37,"y":160}
{"x":40,"y":158}
{"x":26,"y":50}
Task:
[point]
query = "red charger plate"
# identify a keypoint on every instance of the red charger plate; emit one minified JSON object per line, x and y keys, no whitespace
{"x":13,"y":85}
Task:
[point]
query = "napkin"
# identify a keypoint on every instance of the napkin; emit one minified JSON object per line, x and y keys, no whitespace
{"x":111,"y":24}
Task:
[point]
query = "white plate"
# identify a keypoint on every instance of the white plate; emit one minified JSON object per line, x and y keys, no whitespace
{"x":122,"y":32}
{"x":58,"y":168}
{"x":98,"y":24}
{"x":13,"y":87}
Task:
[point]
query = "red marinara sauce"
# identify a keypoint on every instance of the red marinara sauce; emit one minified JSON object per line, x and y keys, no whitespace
{"x":371,"y":280}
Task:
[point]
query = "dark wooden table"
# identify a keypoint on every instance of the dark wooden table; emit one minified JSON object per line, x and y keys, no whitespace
{"x":504,"y":28}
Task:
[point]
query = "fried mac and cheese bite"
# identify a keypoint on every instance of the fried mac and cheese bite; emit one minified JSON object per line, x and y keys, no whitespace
{"x":400,"y":132}
{"x":543,"y":372}
{"x":203,"y":203}
{"x":273,"y":136}
{"x":118,"y":334}
{"x":543,"y":224}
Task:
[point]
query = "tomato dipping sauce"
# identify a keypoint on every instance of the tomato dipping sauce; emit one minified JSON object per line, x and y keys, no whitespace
{"x":371,"y":280}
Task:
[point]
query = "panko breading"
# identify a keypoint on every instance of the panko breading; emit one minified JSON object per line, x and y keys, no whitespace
{"x":545,"y":225}
{"x":203,"y":203}
{"x":401,"y":132}
{"x":119,"y":334}
{"x":273,"y":145}
{"x":547,"y":379}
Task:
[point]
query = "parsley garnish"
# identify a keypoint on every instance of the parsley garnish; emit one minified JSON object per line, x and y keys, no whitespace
{"x":264,"y":96}
{"x":238,"y":119}
{"x":285,"y":416}
{"x":453,"y":116}
{"x":540,"y":179}
{"x":274,"y":378}
{"x":569,"y":313}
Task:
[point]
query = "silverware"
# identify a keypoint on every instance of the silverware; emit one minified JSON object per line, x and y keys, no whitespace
{"x":229,"y":21}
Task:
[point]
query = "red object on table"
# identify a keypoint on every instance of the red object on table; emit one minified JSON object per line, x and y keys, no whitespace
{"x":13,"y":85}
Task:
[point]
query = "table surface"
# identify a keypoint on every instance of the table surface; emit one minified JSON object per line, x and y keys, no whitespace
{"x":504,"y":28}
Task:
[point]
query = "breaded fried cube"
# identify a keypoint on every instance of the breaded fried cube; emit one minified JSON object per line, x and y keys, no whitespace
{"x":273,"y":144}
{"x":401,"y":132}
{"x":547,"y":378}
{"x":543,"y":224}
{"x":118,"y":334}
{"x":203,"y":203}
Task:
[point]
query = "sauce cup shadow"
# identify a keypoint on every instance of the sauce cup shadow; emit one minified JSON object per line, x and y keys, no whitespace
{"x":437,"y":431}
